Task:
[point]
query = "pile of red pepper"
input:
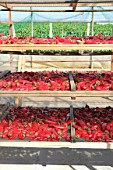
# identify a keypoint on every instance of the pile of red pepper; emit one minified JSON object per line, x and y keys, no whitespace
{"x":93,"y":80}
{"x":94,"y":124}
{"x":33,"y":40}
{"x":98,"y":39}
{"x":40,"y":124}
{"x":45,"y":80}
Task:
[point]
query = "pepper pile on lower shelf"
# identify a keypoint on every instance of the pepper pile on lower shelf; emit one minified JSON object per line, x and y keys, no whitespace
{"x":40,"y":124}
{"x":58,"y":124}
{"x":94,"y":124}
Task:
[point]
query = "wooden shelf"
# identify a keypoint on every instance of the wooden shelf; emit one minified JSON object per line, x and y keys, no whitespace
{"x":66,"y":47}
{"x":42,"y":144}
{"x":48,"y":93}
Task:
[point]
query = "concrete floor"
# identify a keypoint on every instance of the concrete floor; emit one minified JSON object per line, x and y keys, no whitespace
{"x":55,"y":159}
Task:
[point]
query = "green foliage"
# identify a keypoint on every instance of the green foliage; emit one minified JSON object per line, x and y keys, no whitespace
{"x":4,"y":28}
{"x":59,"y":29}
{"x":104,"y":29}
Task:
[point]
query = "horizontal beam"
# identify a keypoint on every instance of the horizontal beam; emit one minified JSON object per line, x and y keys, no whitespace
{"x":61,"y":5}
{"x":42,"y":5}
{"x":47,"y":93}
{"x":46,"y":47}
{"x":53,"y":10}
{"x":53,"y":1}
{"x":64,"y":61}
{"x":44,"y":144}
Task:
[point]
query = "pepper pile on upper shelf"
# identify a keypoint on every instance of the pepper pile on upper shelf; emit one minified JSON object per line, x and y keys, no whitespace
{"x":40,"y":124}
{"x":98,"y":39}
{"x":45,"y":80}
{"x":94,"y":124}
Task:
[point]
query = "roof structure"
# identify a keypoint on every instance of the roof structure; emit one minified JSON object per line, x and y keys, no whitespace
{"x":9,"y":4}
{"x":54,"y":1}
{"x":58,"y":6}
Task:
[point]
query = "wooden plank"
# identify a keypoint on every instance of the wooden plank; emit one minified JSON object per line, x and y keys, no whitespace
{"x":21,"y":101}
{"x":72,"y":129}
{"x":23,"y":63}
{"x":61,"y":5}
{"x":53,"y":10}
{"x":16,"y":101}
{"x":44,"y":10}
{"x":19,"y":63}
{"x":66,"y":47}
{"x":4,"y":110}
{"x":11,"y":64}
{"x":10,"y":23}
{"x":72,"y":83}
{"x":4,"y":73}
{"x":41,"y":5}
{"x":41,"y":144}
{"x":94,"y":4}
{"x":46,"y":93}
{"x":53,"y":1}
{"x":112,"y":62}
{"x":64,"y":61}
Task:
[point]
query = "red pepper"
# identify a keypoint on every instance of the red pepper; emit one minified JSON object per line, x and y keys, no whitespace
{"x":67,"y":122}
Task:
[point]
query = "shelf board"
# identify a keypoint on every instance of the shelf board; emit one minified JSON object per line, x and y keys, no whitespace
{"x":43,"y":144}
{"x":48,"y":93}
{"x":67,"y":47}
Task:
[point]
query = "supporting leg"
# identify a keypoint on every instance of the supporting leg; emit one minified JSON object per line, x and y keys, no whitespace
{"x":112,"y":62}
{"x":21,"y":101}
{"x":16,"y":101}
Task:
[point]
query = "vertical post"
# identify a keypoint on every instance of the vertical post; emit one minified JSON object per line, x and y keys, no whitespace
{"x":32,"y":31}
{"x":112,"y":61}
{"x":10,"y":24}
{"x":88,"y":28}
{"x":91,"y":61}
{"x":31,"y":22}
{"x":16,"y":101}
{"x":21,"y":101}
{"x":92,"y":22}
{"x":50,"y":31}
{"x":23,"y":63}
{"x":19,"y":63}
{"x":14,"y":33}
{"x":11,"y":64}
{"x":112,"y":30}
{"x":74,"y":6}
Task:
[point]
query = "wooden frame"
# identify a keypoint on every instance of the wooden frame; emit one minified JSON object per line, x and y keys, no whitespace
{"x":48,"y":93}
{"x":36,"y":144}
{"x":57,"y":5}
{"x":66,"y":47}
{"x":70,"y":10}
{"x":44,"y":144}
{"x":72,"y":93}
